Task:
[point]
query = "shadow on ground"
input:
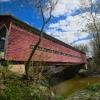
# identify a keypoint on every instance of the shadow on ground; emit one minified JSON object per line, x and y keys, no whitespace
{"x":64,"y":75}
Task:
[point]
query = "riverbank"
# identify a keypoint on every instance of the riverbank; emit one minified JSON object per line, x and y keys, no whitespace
{"x":91,"y":92}
{"x":14,"y":87}
{"x":68,"y":87}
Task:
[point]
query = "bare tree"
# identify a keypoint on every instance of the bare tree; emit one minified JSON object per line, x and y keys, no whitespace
{"x":93,"y":24}
{"x":82,"y":47}
{"x":44,"y":8}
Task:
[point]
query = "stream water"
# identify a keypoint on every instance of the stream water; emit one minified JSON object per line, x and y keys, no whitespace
{"x":67,"y":87}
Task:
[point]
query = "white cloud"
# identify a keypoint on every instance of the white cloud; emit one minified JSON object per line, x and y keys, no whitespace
{"x":65,"y":7}
{"x":71,"y":28}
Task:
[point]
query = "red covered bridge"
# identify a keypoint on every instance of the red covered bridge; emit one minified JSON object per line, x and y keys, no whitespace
{"x":17,"y":39}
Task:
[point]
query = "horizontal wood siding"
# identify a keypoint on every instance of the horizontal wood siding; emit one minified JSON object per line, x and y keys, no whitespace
{"x":19,"y":48}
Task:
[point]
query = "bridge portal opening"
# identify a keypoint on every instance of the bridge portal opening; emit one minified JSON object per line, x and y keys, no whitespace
{"x":3,"y":32}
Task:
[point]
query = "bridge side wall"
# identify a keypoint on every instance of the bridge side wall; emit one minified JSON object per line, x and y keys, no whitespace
{"x":5,"y":21}
{"x":19,"y":48}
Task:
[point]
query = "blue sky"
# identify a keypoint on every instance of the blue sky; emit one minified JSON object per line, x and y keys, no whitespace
{"x":22,"y":12}
{"x":66,"y":23}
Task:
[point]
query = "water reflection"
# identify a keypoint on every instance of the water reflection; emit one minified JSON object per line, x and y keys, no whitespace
{"x":69,"y":86}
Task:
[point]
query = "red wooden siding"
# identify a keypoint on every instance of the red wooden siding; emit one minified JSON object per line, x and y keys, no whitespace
{"x":19,"y":48}
{"x":19,"y":41}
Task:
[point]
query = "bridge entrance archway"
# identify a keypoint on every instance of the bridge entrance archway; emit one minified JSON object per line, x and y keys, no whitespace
{"x":3,"y":33}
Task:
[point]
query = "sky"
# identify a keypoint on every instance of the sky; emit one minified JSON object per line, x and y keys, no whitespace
{"x":67,"y":20}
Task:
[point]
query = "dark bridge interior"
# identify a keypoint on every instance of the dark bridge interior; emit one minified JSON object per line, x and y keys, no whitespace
{"x":3,"y":32}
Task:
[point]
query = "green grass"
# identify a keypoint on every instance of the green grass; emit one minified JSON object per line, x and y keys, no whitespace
{"x":95,"y":87}
{"x":17,"y":89}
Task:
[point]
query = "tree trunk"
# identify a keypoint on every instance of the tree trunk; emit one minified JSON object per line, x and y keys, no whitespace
{"x":33,"y":52}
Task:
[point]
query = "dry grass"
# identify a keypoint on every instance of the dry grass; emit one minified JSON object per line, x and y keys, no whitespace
{"x":19,"y":68}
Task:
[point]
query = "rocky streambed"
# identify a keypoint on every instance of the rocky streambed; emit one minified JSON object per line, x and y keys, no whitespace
{"x":91,"y":92}
{"x":76,"y":88}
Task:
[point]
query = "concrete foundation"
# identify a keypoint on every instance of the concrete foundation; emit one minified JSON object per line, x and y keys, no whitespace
{"x":17,"y":68}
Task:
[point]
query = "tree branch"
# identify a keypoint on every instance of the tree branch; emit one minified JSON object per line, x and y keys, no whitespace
{"x":94,"y":22}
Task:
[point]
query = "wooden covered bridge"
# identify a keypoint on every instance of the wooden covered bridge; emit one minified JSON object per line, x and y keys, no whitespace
{"x":18,"y":38}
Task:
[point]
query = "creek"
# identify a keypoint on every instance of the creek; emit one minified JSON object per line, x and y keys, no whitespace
{"x":67,"y":87}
